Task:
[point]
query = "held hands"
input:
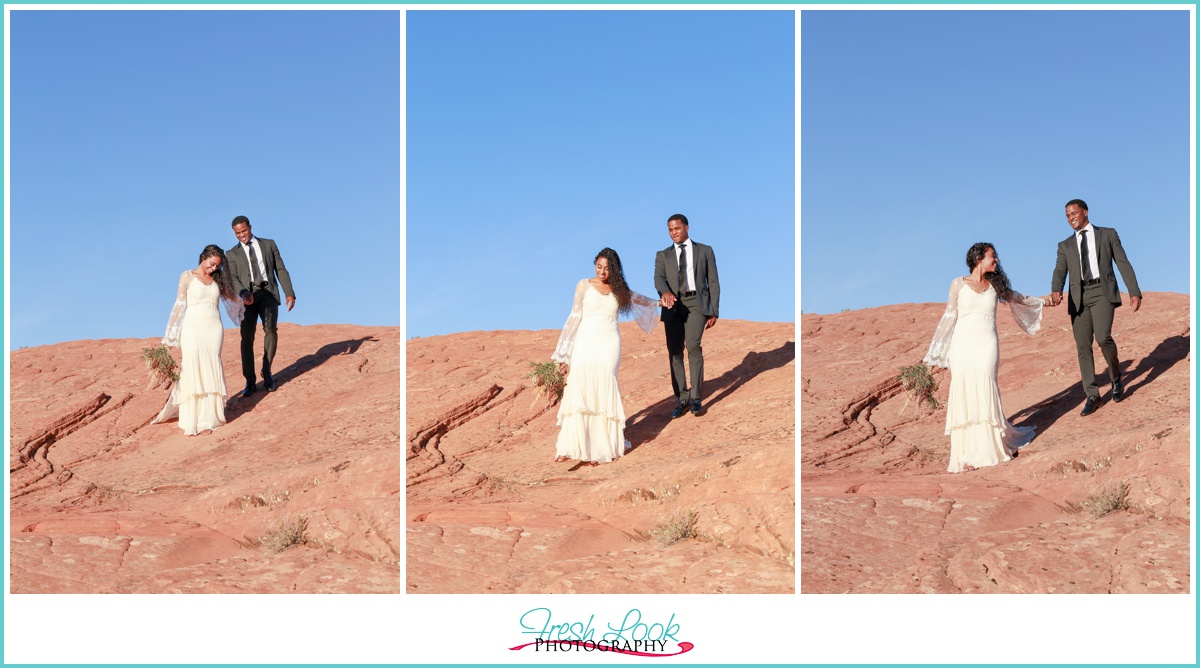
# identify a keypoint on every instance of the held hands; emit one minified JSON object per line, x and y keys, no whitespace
{"x":668,"y":300}
{"x":1055,"y":299}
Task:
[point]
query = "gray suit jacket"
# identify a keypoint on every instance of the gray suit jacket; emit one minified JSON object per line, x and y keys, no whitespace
{"x":239,"y":264}
{"x":1108,"y":247}
{"x":708,"y":288}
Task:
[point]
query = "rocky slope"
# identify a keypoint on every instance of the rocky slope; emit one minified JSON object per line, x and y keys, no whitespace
{"x":879,"y":513}
{"x":103,"y":501}
{"x":489,"y":511}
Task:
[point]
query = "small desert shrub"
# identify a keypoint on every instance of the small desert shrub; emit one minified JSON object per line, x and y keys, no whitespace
{"x":160,"y":364}
{"x":1109,"y":501}
{"x":549,"y":379}
{"x":287,"y":534}
{"x":918,"y":381}
{"x":679,"y":526}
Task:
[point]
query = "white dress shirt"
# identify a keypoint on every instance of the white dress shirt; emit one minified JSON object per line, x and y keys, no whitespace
{"x":686,"y":247}
{"x":262,"y":266}
{"x":1093,"y":257}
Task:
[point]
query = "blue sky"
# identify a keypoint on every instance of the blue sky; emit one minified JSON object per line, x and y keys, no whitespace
{"x":923,"y":132}
{"x":536,"y":138}
{"x":137,"y":136}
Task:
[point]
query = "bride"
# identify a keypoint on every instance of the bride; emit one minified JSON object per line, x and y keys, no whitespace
{"x":198,"y":397}
{"x":591,"y":416}
{"x":966,"y":342}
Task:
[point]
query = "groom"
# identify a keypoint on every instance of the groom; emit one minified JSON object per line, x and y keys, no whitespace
{"x":255,"y":263}
{"x":1088,"y":256}
{"x":685,"y":275}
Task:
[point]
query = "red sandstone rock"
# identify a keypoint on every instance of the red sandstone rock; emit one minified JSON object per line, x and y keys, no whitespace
{"x":489,"y":511}
{"x":879,"y":513}
{"x":103,"y":501}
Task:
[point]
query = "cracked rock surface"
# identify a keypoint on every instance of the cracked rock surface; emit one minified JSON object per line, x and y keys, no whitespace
{"x":102,"y":501}
{"x":489,"y":511}
{"x":880,"y":514}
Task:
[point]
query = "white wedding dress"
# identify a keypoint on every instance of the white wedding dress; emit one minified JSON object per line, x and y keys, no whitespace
{"x":966,"y":342}
{"x":591,"y":415}
{"x":198,"y":397}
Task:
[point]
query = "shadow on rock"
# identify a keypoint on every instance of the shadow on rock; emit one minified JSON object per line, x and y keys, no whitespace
{"x":1048,"y":411}
{"x":297,"y":368}
{"x":1164,"y":356}
{"x":645,"y":425}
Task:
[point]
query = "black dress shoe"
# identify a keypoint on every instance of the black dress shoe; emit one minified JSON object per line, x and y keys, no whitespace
{"x":269,"y":383}
{"x":1118,"y":391}
{"x":249,"y":390}
{"x":680,"y":411}
{"x":1092,"y":404}
{"x":695,"y":407}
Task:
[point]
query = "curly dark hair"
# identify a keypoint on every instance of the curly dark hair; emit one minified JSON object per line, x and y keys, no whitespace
{"x":221,"y":276}
{"x":616,"y":280}
{"x":998,"y":278}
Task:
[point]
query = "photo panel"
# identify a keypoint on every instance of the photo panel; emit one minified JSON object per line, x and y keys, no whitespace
{"x":948,"y":443}
{"x":203,"y":269}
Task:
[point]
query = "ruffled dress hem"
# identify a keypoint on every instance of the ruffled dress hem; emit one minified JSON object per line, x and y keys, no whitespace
{"x":589,"y":437}
{"x":980,"y":435}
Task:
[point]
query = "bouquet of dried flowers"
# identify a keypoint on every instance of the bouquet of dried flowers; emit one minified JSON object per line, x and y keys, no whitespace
{"x":918,"y":381}
{"x":161,"y":366}
{"x":550,"y":379}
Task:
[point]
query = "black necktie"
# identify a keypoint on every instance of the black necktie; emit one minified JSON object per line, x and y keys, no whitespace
{"x":1083,"y":256}
{"x":255,"y":274}
{"x":683,"y":268}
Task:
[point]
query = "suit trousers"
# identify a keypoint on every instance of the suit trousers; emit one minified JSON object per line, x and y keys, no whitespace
{"x":685,"y":331}
{"x":266,"y":308}
{"x":1094,"y":321}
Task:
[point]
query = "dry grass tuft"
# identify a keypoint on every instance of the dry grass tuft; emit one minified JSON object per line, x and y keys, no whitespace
{"x":287,"y":534}
{"x":1109,"y":501}
{"x":678,"y":527}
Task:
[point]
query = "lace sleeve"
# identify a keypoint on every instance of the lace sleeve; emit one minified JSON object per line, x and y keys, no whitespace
{"x":235,"y":309}
{"x":645,"y":312}
{"x":566,"y":340}
{"x":939,"y":348}
{"x":171,"y":338}
{"x":1027,"y":311}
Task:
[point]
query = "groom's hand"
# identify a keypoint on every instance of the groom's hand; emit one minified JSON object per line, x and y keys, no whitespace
{"x":291,"y":301}
{"x":1055,"y":298}
{"x":712,"y":320}
{"x":668,"y":300}
{"x":1135,"y":303}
